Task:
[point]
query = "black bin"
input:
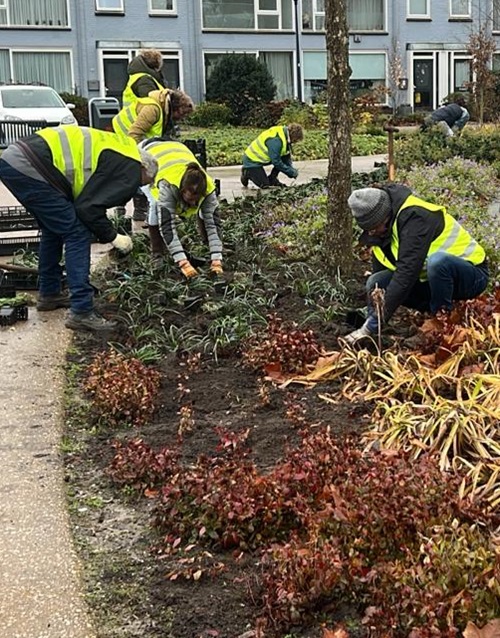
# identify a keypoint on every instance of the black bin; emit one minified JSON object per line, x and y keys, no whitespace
{"x":102,"y":110}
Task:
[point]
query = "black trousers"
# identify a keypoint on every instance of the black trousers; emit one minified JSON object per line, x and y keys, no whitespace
{"x":259,"y":176}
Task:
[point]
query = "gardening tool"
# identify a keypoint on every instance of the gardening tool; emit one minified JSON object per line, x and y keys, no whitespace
{"x":390,"y":149}
{"x":17,"y":268}
{"x":356,"y":317}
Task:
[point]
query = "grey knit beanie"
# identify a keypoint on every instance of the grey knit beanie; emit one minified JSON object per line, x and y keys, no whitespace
{"x":370,"y":207}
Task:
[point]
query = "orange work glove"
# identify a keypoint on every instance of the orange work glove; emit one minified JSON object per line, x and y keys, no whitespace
{"x":187,"y":270}
{"x":216,"y":267}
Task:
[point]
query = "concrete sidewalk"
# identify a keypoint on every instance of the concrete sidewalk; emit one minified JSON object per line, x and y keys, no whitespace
{"x":230,"y":175}
{"x":41,"y":594}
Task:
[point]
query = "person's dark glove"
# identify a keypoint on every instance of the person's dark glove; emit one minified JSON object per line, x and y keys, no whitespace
{"x":294,"y":173}
{"x":187,"y":270}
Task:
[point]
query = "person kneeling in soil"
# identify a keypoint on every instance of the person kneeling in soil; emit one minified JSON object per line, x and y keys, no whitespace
{"x":67,"y":177}
{"x":182,"y":188}
{"x":422,"y":257}
{"x":450,"y":118}
{"x":273,"y":146}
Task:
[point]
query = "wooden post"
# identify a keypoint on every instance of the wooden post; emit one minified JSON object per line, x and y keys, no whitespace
{"x":390,"y":149}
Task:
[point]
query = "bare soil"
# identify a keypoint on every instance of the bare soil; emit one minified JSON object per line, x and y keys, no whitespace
{"x":129,"y":586}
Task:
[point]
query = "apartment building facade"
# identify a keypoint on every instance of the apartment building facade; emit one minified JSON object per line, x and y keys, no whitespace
{"x":84,"y":46}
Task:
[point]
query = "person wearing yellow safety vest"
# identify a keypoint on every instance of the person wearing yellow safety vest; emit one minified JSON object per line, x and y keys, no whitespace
{"x":182,"y":188}
{"x":423,"y":258}
{"x":152,"y":116}
{"x":144,"y":76}
{"x":272,"y":146}
{"x":67,"y":177}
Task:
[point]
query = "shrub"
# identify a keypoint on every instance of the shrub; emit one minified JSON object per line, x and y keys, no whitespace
{"x":282,"y":346}
{"x":137,"y":465}
{"x":265,"y":115}
{"x":301,"y":113}
{"x":210,"y":114}
{"x":123,"y":390}
{"x":81,"y":110}
{"x":240,"y":81}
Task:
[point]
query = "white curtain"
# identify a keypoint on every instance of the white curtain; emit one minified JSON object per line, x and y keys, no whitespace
{"x":280,"y":67}
{"x":53,"y":69}
{"x":5,"y":74}
{"x":366,"y":15}
{"x":460,"y":7}
{"x":496,"y":15}
{"x":39,"y":12}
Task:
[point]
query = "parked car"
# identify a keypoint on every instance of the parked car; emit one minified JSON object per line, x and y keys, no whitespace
{"x":21,"y":103}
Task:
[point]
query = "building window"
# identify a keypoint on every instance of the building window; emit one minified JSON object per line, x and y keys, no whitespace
{"x":419,"y":8}
{"x":248,"y":14}
{"x":460,"y":9}
{"x":462,"y":75}
{"x":313,"y":15}
{"x":368,"y":73}
{"x":5,"y":74}
{"x":366,"y":15}
{"x":158,"y":7}
{"x":115,"y":76}
{"x":496,"y":15}
{"x":279,"y":64}
{"x":27,"y":13}
{"x":52,"y":68}
{"x":109,"y":6}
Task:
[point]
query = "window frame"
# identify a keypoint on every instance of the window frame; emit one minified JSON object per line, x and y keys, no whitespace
{"x":461,"y":15}
{"x":162,"y":12}
{"x":363,"y":31}
{"x":418,"y":16}
{"x":128,"y":53}
{"x":256,"y":13}
{"x":65,"y":51}
{"x":5,"y":5}
{"x":108,"y":10}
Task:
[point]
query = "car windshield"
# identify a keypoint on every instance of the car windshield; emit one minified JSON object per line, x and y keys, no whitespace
{"x":26,"y":98}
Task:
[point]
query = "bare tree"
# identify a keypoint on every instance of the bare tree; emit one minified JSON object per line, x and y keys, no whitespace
{"x":396,"y":73}
{"x":338,"y":237}
{"x":481,"y":46}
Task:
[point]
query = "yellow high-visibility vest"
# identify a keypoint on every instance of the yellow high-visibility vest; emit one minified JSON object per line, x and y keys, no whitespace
{"x":453,"y":240}
{"x":257,"y":151}
{"x":76,"y":151}
{"x":122,"y":122}
{"x":173,"y":157}
{"x":128,"y":96}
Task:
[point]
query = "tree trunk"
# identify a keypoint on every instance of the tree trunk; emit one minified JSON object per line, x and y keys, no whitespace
{"x":338,"y":235}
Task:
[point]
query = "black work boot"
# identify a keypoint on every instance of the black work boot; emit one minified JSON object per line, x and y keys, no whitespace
{"x":244,"y":178}
{"x":53,"y":302}
{"x":89,"y":322}
{"x":141,"y":208}
{"x":158,"y":248}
